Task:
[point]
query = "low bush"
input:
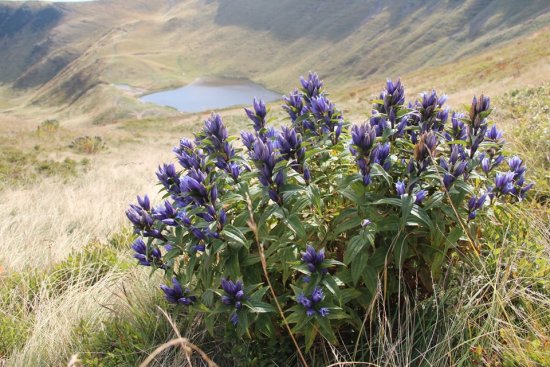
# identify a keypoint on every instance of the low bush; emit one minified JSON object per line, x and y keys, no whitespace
{"x":303,"y":231}
{"x":47,"y":127}
{"x":88,"y":144}
{"x":19,"y":168}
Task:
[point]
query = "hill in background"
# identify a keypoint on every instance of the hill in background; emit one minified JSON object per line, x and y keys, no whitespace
{"x":62,"y":52}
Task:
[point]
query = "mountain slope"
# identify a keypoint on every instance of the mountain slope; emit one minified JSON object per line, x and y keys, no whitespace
{"x":162,"y":43}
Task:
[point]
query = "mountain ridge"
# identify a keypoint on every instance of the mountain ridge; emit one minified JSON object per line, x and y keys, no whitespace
{"x":161,"y":44}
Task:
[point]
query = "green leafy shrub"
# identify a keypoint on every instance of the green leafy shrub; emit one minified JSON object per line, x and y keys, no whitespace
{"x":306,"y":225}
{"x":88,"y":144}
{"x":48,"y":127}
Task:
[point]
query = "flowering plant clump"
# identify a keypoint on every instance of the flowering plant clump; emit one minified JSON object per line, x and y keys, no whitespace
{"x":319,"y":209}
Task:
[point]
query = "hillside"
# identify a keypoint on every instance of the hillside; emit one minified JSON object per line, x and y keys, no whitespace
{"x":68,"y":50}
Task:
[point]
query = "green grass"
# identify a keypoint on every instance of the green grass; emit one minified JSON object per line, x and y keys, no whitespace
{"x":19,"y":167}
{"x":22,"y":293}
{"x":527,"y":111}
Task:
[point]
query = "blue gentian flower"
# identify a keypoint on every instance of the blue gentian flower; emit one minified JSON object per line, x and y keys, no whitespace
{"x":458,"y":130}
{"x":400,"y":188}
{"x":392,"y":97}
{"x":248,"y":139}
{"x":177,"y":295}
{"x":380,"y":155}
{"x":362,"y":139}
{"x":188,"y":155}
{"x":146,"y":258}
{"x":293,"y":105}
{"x":474,"y":204}
{"x":314,"y":260}
{"x":165,"y":213}
{"x":258,"y":115}
{"x":168,"y":176}
{"x":234,"y":296}
{"x":290,"y":148}
{"x":504,"y":182}
{"x":311,"y":303}
{"x":312,"y":86}
{"x":366,"y":223}
{"x":420,"y":196}
{"x":493,"y":133}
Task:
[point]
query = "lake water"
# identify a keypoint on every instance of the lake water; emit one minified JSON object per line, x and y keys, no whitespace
{"x":211,"y":94}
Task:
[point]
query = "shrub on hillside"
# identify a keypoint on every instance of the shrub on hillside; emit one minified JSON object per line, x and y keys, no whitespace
{"x":48,"y":126}
{"x":307,"y":221}
{"x":88,"y":144}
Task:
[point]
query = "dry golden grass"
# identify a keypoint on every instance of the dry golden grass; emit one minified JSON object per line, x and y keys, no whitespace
{"x":43,"y":221}
{"x":51,"y":341}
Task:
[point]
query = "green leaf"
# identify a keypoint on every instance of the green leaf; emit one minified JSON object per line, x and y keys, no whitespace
{"x":295,"y":224}
{"x":370,"y":277}
{"x":295,"y":317}
{"x":354,"y":247}
{"x":236,"y":235}
{"x":407,"y":203}
{"x":331,"y":285}
{"x":345,"y":222}
{"x":310,"y":334}
{"x":259,"y":307}
{"x":326,"y":330}
{"x":358,"y":266}
{"x":401,"y":250}
{"x":377,"y":170}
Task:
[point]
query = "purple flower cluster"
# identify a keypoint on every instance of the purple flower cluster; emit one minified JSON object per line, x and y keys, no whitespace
{"x":479,"y":109}
{"x":311,"y":112}
{"x":421,"y":148}
{"x":314,"y":261}
{"x":425,"y":115}
{"x":141,"y":217}
{"x":294,"y":107}
{"x":385,"y":111}
{"x":474,"y":204}
{"x":454,"y":168}
{"x":312,"y":86}
{"x":145,"y":256}
{"x":265,"y":156}
{"x":267,"y":147}
{"x":234,"y":296}
{"x":513,"y":181}
{"x":424,"y":150}
{"x":311,"y":303}
{"x":392,"y":97}
{"x":457,"y":130}
{"x":363,"y":138}
{"x":194,"y":190}
{"x":176,"y":294}
{"x":328,"y":120}
{"x":258,"y":116}
{"x":401,"y":189}
{"x":213,"y":139}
